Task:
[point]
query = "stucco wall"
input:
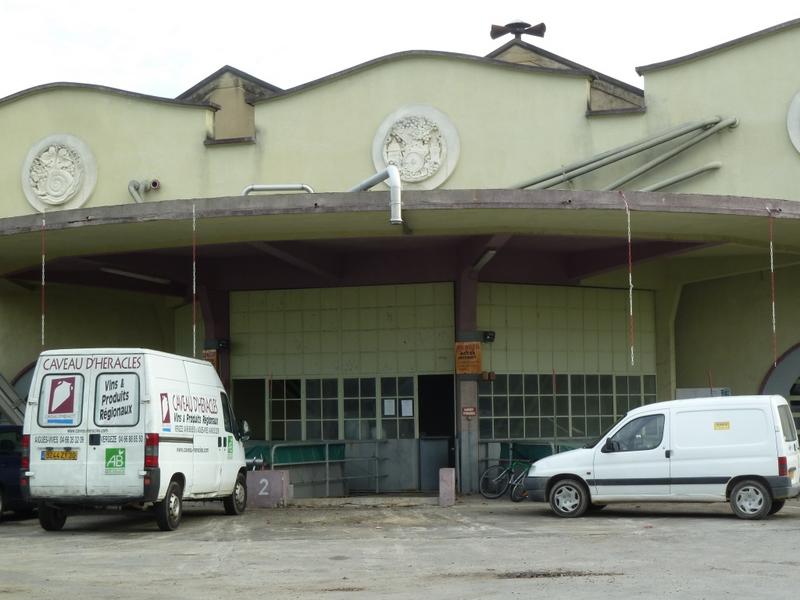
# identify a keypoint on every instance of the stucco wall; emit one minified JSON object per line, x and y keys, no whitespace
{"x":79,"y":317}
{"x":725,"y":326}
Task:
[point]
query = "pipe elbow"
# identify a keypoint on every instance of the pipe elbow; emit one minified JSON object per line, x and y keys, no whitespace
{"x":133,"y":190}
{"x":395,"y":188}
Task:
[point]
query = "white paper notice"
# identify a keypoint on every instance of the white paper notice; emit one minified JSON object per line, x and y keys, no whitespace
{"x":407,"y":407}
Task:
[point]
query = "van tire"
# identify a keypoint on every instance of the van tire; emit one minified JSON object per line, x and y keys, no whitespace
{"x":52,"y":518}
{"x":237,"y":501}
{"x":569,"y":498}
{"x":776,"y":506}
{"x":750,"y":499}
{"x":170,"y":509}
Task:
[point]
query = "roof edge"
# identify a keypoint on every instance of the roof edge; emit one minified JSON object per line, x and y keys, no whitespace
{"x":406,"y":54}
{"x":578,"y":67}
{"x":234,"y":71}
{"x":718,"y":48}
{"x":46,"y":87}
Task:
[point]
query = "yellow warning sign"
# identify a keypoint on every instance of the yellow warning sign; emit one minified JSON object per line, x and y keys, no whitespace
{"x":722,"y":425}
{"x":468,"y":358}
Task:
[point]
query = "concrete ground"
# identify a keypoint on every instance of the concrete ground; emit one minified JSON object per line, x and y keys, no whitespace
{"x":476,"y":549}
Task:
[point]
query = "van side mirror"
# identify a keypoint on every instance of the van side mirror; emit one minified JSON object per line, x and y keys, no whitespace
{"x":610,"y":446}
{"x":244,"y":428}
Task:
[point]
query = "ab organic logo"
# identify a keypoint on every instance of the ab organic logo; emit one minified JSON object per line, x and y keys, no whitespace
{"x":115,"y":461}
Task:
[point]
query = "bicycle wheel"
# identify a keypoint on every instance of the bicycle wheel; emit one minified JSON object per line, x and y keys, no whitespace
{"x":518,"y":491}
{"x":494,"y":481}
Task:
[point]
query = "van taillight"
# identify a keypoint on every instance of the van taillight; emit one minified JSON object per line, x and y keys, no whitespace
{"x":25,"y":460}
{"x":151,"y":450}
{"x":782,"y":467}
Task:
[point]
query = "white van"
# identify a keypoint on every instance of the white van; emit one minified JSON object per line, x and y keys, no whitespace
{"x":741,"y":449}
{"x":117,"y":427}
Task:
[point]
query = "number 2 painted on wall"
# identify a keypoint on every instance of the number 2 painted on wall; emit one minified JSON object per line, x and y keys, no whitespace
{"x":264,"y":483}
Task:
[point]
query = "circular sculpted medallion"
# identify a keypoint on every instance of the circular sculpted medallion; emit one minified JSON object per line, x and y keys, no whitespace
{"x":59,"y":171}
{"x":421,"y":142}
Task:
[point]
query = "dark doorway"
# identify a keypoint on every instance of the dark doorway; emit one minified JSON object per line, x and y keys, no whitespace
{"x":436,"y":427}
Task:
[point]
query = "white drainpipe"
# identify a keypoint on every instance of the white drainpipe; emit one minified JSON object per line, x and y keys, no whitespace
{"x":393,"y":175}
{"x":277,"y":187}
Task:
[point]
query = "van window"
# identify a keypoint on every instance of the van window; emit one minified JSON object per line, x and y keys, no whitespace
{"x":227,"y":415}
{"x":116,"y":400}
{"x":61,"y":400}
{"x":644,"y":433}
{"x":787,"y":424}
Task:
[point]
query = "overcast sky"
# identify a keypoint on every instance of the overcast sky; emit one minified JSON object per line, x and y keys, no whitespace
{"x":163,"y":47}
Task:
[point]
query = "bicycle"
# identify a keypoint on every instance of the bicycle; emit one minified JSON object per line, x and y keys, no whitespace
{"x":498,"y":479}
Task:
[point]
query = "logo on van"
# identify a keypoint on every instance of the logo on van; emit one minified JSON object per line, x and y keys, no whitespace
{"x":115,"y":461}
{"x":62,"y":396}
{"x":166,"y":418}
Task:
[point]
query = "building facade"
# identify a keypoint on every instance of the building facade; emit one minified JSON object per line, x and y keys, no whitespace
{"x":568,"y":246}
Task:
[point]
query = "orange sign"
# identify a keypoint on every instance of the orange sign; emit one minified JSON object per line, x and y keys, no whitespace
{"x":468,"y":358}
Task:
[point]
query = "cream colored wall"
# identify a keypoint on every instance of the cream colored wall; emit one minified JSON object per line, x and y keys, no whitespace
{"x":350,"y":332}
{"x":78,"y":317}
{"x":725,"y":326}
{"x":570,"y":330}
{"x":752,"y":82}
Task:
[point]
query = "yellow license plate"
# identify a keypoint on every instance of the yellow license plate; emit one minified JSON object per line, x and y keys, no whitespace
{"x":60,"y":455}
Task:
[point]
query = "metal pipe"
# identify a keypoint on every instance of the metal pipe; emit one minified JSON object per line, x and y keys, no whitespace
{"x":277,"y":187}
{"x":681,"y":177}
{"x":600,"y":160}
{"x":133,"y":190}
{"x":729,"y":122}
{"x":393,"y":175}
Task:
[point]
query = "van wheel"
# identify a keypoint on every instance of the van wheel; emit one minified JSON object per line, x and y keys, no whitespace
{"x":170,"y":509}
{"x":569,"y":498}
{"x":237,"y":501}
{"x":776,"y":506}
{"x":750,"y":499}
{"x":52,"y":518}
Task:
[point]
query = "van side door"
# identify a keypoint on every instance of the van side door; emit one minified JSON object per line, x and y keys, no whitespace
{"x":633,"y":460}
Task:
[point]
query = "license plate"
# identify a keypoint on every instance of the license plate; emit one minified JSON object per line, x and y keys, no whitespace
{"x":60,"y":455}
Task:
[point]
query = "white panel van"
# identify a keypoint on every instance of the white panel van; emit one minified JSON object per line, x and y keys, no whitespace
{"x":740,"y":449}
{"x":117,"y":427}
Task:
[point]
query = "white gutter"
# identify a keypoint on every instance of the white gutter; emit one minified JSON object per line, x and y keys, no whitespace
{"x":395,"y":202}
{"x":277,"y":187}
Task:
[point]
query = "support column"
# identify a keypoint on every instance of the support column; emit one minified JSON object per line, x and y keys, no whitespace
{"x":667,"y":301}
{"x":215,"y":308}
{"x":466,"y":313}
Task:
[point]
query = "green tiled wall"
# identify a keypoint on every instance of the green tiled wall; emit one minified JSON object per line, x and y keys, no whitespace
{"x":393,"y":329}
{"x":566,"y":329}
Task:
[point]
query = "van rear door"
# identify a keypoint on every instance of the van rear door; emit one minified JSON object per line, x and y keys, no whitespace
{"x":787,"y":441}
{"x":115,"y":455}
{"x":57,"y":422}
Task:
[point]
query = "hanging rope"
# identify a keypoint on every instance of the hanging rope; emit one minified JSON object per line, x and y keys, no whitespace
{"x":772,"y":288}
{"x":44,"y":254}
{"x":631,"y":332}
{"x":194,"y":282}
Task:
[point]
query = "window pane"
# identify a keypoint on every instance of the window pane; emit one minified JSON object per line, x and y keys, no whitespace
{"x":562,"y":384}
{"x":312,"y":388}
{"x":330,"y":388}
{"x":622,"y":385}
{"x":313,"y":409}
{"x":368,"y":430}
{"x":485,"y":429}
{"x":606,"y":405}
{"x":634,"y":385}
{"x":351,"y":408}
{"x":276,"y":431}
{"x":330,"y":409}
{"x":350,"y":387}
{"x":578,"y":426}
{"x":515,"y":384}
{"x":515,"y":406}
{"x":532,"y":428}
{"x":578,"y":406}
{"x":531,"y":406}
{"x":485,"y":406}
{"x":390,"y":429}
{"x":576,"y":384}
{"x":562,"y":405}
{"x":367,"y":386}
{"x":592,"y":405}
{"x":330,"y":430}
{"x":501,"y":384}
{"x":351,"y":430}
{"x":649,"y":384}
{"x":406,"y":430}
{"x":606,"y":384}
{"x":500,"y":406}
{"x":367,"y":407}
{"x":501,"y":428}
{"x":593,"y":426}
{"x":517,"y":428}
{"x":562,"y":425}
{"x":484,"y":387}
{"x":313,"y":430}
{"x":531,"y":384}
{"x":545,"y":384}
{"x":293,"y":430}
{"x":293,"y":388}
{"x":547,"y":427}
{"x":293,"y":409}
{"x":546,"y":403}
{"x":277,"y":389}
{"x":276,"y":410}
{"x":592,"y":384}
{"x":388,"y":386}
{"x":405,"y":386}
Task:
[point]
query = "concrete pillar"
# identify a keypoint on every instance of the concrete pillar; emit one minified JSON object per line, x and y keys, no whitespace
{"x":466,"y":305}
{"x":447,"y":487}
{"x":667,"y":301}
